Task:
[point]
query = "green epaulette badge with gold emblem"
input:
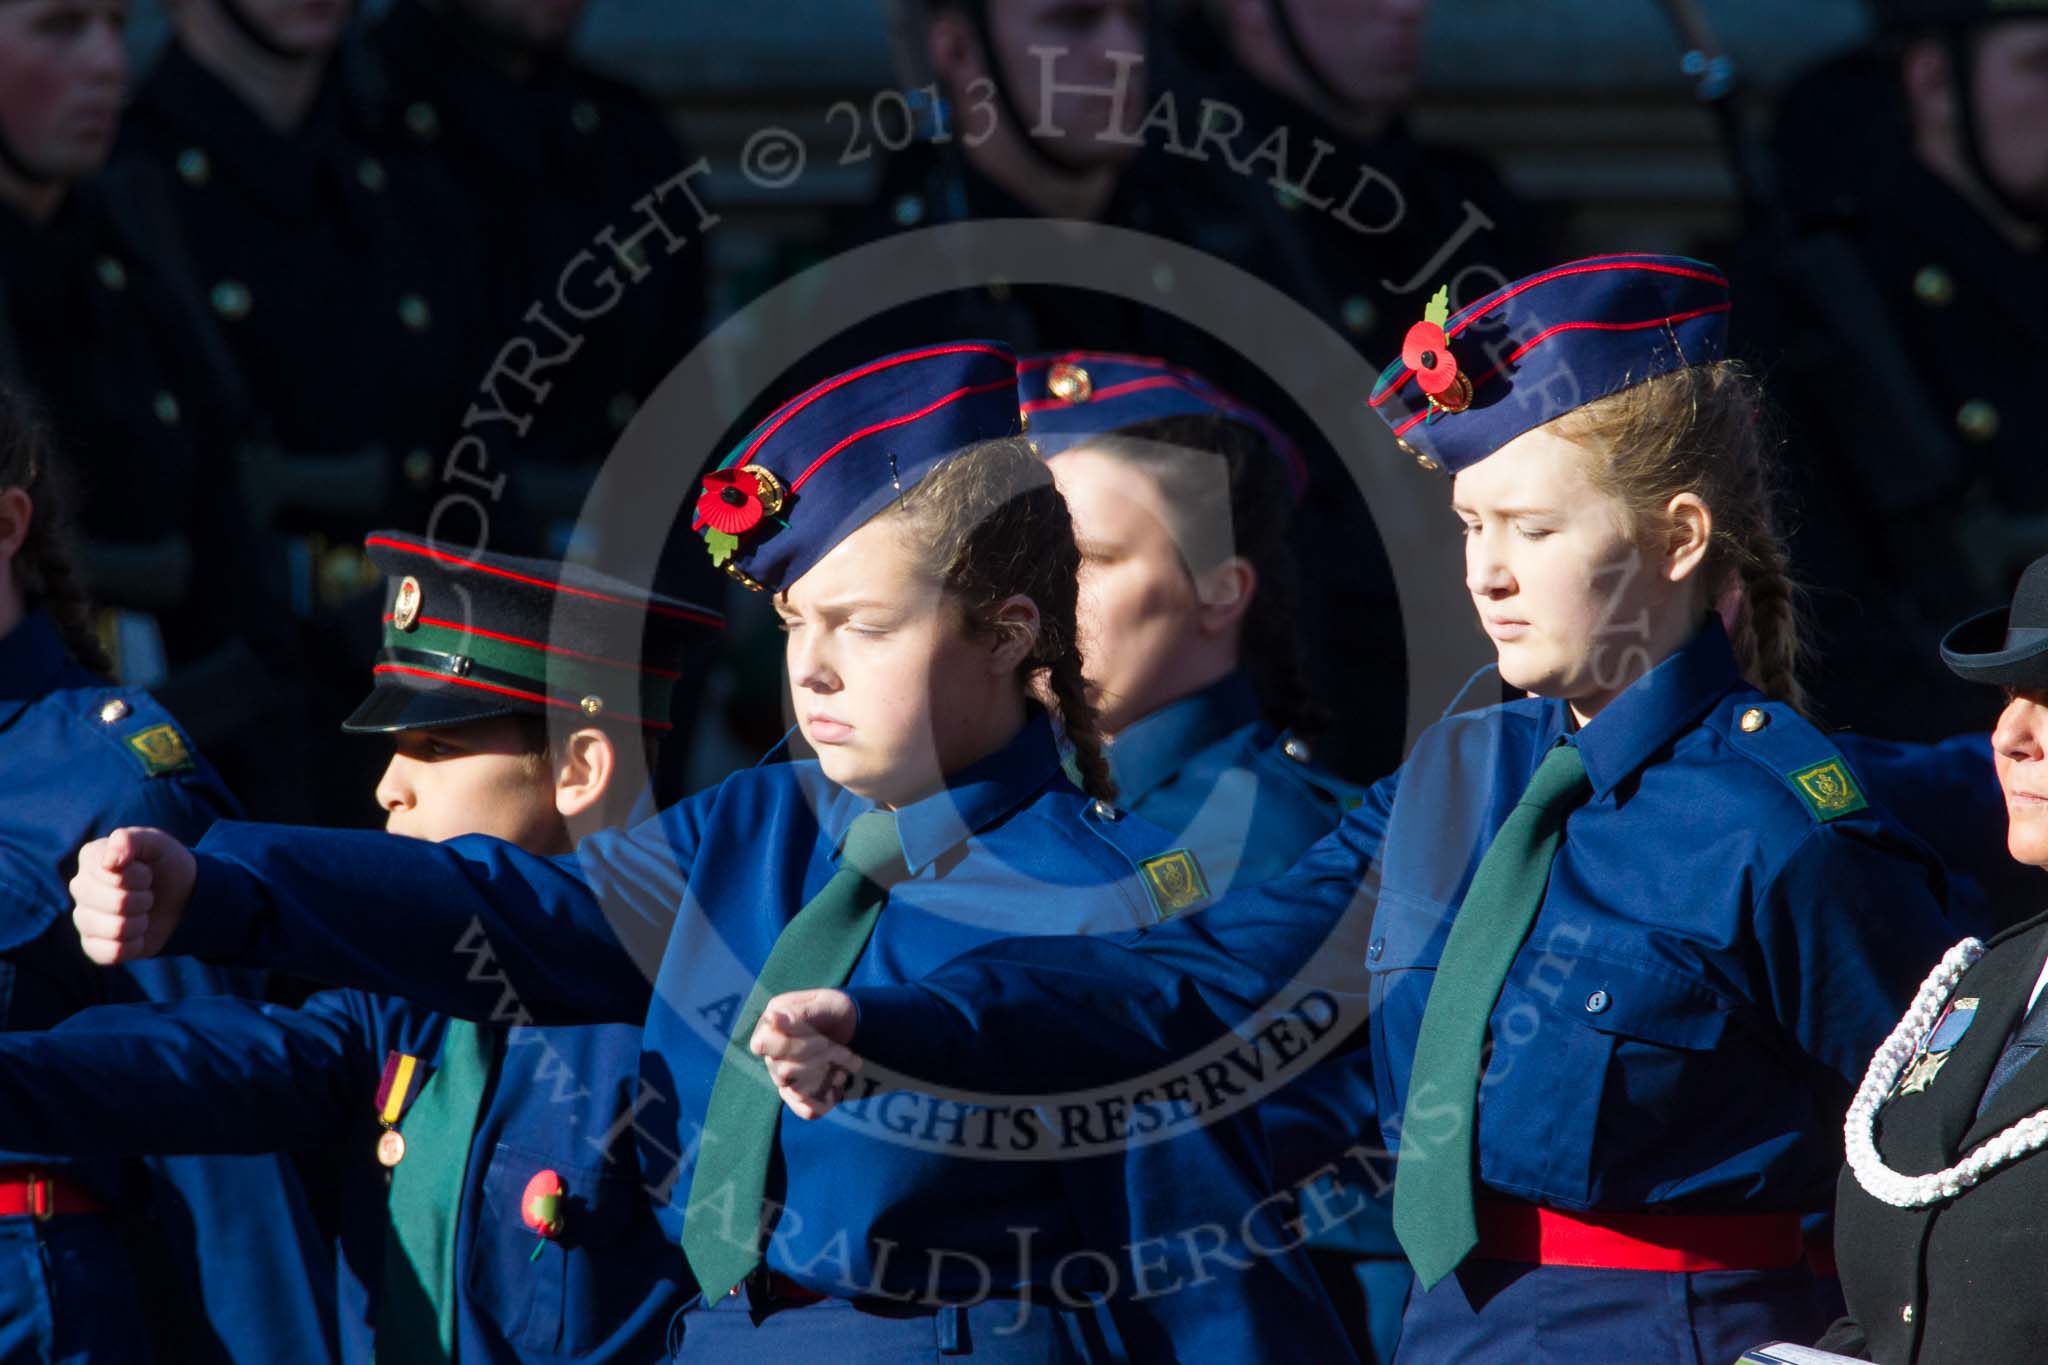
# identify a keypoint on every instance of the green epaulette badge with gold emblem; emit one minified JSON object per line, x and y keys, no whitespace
{"x":1828,"y":789}
{"x":161,"y":749}
{"x":1175,"y":882}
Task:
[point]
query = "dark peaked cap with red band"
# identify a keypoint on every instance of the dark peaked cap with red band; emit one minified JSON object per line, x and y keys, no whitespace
{"x":472,"y":636}
{"x":1536,"y":349}
{"x":823,"y":464}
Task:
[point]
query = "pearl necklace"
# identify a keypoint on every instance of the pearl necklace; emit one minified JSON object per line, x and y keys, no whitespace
{"x":1859,"y":1131}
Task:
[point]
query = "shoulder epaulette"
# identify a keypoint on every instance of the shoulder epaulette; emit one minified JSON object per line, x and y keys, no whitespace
{"x":137,"y":724}
{"x":1778,"y":738}
{"x":1173,"y":878}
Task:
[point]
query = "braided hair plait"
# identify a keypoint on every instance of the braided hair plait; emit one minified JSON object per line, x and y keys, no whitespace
{"x":990,"y":525}
{"x":44,"y":565}
{"x":1702,"y":430}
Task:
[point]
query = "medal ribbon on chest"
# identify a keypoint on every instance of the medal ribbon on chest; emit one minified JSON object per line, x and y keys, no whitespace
{"x":404,"y":1076}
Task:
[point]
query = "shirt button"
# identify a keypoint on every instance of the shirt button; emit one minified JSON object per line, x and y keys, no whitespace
{"x":1906,"y":1313}
{"x":423,"y":120}
{"x":193,"y":166}
{"x":414,"y":313}
{"x":1934,"y":286}
{"x":370,"y":174}
{"x":1597,"y":1002}
{"x":1374,"y":949}
{"x":113,"y":275}
{"x":1755,"y":719}
{"x":1977,"y":420}
{"x":419,"y":467}
{"x":1105,"y":811}
{"x":1296,"y":750}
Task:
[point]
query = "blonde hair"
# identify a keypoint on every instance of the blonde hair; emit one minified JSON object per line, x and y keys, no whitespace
{"x":1701,"y":430}
{"x":989,"y":524}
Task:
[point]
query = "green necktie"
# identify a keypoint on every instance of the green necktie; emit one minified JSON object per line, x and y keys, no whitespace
{"x":722,"y":1223}
{"x":1434,"y":1213}
{"x":416,"y":1313}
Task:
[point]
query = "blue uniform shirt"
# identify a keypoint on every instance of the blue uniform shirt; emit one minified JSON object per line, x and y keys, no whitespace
{"x":1210,"y":771}
{"x":81,"y":759}
{"x":670,"y":922}
{"x":209,"y":1076}
{"x":1250,"y":801}
{"x":1721,"y":947}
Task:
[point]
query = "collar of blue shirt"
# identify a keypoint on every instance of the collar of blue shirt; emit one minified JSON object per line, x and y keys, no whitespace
{"x":972,"y":799}
{"x":32,"y":661}
{"x":1655,"y":709}
{"x":1149,"y":752}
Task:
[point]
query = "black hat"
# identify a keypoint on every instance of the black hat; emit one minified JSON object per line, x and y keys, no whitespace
{"x":2006,"y":645}
{"x":1909,"y":14}
{"x":469,"y":637}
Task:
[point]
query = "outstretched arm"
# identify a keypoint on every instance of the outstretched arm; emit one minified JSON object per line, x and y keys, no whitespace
{"x":1046,"y":1014}
{"x":473,"y":927}
{"x":214,"y":1075}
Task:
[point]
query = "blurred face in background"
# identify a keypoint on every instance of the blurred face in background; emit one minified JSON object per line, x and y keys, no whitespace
{"x":308,"y":28}
{"x":1083,"y":34}
{"x":1369,"y":51}
{"x":2012,"y":109}
{"x":63,"y":76}
{"x":2010,"y":92}
{"x":1152,"y":632}
{"x":538,"y":25}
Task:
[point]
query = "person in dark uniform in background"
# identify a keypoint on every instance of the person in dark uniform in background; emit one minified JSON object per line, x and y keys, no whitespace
{"x":449,"y":1126}
{"x":104,"y":1260}
{"x":553,"y":160}
{"x":1900,"y":321}
{"x":1938,"y":1233}
{"x":339,"y":266}
{"x":1182,"y":500}
{"x":101,"y":319}
{"x":1368,"y":220}
{"x":341,"y":269}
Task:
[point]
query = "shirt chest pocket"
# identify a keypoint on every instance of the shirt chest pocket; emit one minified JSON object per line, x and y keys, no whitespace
{"x":608,"y":1276}
{"x":1595,"y":1062}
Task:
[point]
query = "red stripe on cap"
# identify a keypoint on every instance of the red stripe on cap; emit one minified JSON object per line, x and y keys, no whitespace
{"x":1533,"y":342}
{"x":514,"y":692}
{"x":819,"y":390}
{"x":904,"y":420}
{"x":1591,"y":266}
{"x":1067,"y":357}
{"x":668,"y":674}
{"x":702,"y":618}
{"x":1150,"y":381}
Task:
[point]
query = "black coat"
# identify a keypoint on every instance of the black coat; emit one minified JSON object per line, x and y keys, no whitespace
{"x":1969,"y":1269}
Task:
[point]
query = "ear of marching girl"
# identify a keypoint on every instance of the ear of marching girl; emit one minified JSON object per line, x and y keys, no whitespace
{"x":923,"y":566}
{"x":1626,"y":939}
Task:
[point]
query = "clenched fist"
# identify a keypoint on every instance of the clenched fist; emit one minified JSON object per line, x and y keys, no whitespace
{"x":129,"y":893}
{"x":802,"y":1036}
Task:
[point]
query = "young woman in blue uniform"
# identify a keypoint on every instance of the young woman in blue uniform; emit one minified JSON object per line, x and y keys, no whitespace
{"x":1658,"y":891}
{"x":443,"y":1125}
{"x":1183,"y":503}
{"x":924,"y":569}
{"x":98,"y":1258}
